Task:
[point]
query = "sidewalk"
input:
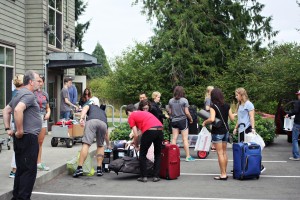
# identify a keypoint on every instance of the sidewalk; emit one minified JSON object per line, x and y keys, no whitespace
{"x":54,"y":157}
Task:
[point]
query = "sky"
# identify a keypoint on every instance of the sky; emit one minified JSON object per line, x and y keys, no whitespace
{"x":116,"y":24}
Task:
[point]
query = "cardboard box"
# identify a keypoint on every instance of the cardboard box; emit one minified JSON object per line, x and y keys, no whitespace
{"x":78,"y":130}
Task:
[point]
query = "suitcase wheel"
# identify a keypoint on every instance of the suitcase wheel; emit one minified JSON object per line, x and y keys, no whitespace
{"x":202,"y":154}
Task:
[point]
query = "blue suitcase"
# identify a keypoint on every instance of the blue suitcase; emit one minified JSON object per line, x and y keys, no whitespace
{"x":246,"y":160}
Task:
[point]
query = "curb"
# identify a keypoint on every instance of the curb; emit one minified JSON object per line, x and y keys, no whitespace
{"x":44,"y":178}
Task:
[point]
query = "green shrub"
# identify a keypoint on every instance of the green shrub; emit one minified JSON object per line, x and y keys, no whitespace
{"x":264,"y":127}
{"x":120,"y":133}
{"x":166,"y":130}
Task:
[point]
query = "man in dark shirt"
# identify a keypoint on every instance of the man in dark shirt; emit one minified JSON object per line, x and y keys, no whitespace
{"x":95,"y":127}
{"x":296,"y":128}
{"x":28,"y":124}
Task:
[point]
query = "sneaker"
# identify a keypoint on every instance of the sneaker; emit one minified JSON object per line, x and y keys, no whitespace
{"x":99,"y":172}
{"x":294,"y":159}
{"x":78,"y":172}
{"x":189,"y":159}
{"x":262,"y":169}
{"x":42,"y":167}
{"x":156,"y":179}
{"x":142,"y":179}
{"x":12,"y":174}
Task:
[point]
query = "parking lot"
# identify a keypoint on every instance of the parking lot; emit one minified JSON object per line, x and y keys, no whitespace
{"x":281,"y":180}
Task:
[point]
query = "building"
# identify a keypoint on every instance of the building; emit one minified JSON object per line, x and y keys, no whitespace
{"x":39,"y":35}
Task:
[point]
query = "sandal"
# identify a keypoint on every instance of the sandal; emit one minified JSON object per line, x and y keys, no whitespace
{"x":220,"y":178}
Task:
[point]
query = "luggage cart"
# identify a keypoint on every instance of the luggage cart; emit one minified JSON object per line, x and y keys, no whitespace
{"x":5,"y":142}
{"x":68,"y":134}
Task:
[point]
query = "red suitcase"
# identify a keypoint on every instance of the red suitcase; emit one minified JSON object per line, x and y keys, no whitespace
{"x":170,"y":162}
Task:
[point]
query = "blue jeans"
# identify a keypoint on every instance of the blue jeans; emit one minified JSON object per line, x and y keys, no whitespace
{"x":295,"y":136}
{"x":218,"y":138}
{"x":65,"y":115}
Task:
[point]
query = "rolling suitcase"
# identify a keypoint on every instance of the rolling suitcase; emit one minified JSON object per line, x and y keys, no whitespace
{"x":246,"y":160}
{"x":170,"y":162}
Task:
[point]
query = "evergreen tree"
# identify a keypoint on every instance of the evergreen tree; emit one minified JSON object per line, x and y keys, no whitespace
{"x":80,"y":28}
{"x":196,"y":39}
{"x":104,"y":70}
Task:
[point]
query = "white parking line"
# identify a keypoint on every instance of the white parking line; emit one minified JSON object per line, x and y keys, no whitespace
{"x":269,"y":161}
{"x":266,"y":176}
{"x":130,"y":197}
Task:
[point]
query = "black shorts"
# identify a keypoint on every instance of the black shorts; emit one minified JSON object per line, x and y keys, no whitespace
{"x":181,"y":125}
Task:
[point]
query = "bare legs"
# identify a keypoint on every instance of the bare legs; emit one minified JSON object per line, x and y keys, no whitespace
{"x":222,"y":158}
{"x":41,"y":140}
{"x":185,"y":134}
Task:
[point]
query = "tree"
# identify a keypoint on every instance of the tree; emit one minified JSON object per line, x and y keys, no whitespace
{"x":80,"y":28}
{"x":98,"y":72}
{"x":195,"y":39}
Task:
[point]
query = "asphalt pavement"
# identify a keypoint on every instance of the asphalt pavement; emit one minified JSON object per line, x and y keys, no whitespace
{"x":281,"y":179}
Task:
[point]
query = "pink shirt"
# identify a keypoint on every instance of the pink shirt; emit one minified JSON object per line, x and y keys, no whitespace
{"x":143,"y":120}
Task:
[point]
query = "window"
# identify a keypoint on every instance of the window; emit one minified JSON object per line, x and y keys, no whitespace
{"x":7,"y":62}
{"x":55,"y":22}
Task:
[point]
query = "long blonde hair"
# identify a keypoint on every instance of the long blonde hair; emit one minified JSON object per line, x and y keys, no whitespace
{"x":241,"y":91}
{"x":208,"y":91}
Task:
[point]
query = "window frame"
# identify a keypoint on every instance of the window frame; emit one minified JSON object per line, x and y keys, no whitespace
{"x":56,"y":11}
{"x":5,"y":66}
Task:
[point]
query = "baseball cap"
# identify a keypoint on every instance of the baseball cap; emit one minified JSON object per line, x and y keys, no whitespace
{"x":95,"y":101}
{"x":298,"y":92}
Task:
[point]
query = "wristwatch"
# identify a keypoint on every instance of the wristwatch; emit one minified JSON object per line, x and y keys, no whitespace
{"x":6,"y":129}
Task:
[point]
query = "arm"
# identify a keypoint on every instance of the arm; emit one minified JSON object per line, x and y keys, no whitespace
{"x":188,"y":114}
{"x":83,"y":114}
{"x":252,"y":120}
{"x":48,"y":112}
{"x":18,"y":117}
{"x":231,"y":115}
{"x":135,"y":136}
{"x":211,"y":118}
{"x":7,"y":111}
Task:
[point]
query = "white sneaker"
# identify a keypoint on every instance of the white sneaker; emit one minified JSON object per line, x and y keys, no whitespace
{"x":42,"y":167}
{"x":295,"y":159}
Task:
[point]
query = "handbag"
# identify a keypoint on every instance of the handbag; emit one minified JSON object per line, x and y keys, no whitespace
{"x":205,"y":115}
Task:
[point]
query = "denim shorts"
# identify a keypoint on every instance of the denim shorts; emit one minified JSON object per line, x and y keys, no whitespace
{"x":218,"y":138}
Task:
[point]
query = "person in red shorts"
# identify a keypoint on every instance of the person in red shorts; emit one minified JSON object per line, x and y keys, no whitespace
{"x":151,"y":129}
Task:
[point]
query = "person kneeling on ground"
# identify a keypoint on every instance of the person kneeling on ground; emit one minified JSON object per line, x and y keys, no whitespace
{"x":151,"y":129}
{"x":95,"y":127}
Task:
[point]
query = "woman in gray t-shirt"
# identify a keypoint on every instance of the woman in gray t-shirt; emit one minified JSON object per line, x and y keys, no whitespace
{"x":179,"y":114}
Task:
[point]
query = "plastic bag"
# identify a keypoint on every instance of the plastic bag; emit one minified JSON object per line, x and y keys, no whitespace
{"x":88,"y":169}
{"x":254,"y":137}
{"x":288,"y":123}
{"x":203,"y":141}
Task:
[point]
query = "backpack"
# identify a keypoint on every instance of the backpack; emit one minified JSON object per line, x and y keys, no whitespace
{"x":193,"y":112}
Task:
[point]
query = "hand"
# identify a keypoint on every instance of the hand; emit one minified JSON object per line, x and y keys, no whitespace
{"x":10,"y":132}
{"x":286,"y":116}
{"x":234,"y":131}
{"x":253,"y":131}
{"x":19,"y":134}
{"x":47,"y":116}
{"x":109,"y":147}
{"x":82,"y":122}
{"x":191,"y":121}
{"x":203,"y":124}
{"x":137,"y":148}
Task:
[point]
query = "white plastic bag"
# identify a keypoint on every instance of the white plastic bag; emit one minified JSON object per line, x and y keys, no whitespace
{"x":288,"y":123}
{"x":254,"y":137}
{"x":203,"y":141}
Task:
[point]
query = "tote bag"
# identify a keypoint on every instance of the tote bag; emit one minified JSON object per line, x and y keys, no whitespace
{"x":203,"y":141}
{"x":254,"y":137}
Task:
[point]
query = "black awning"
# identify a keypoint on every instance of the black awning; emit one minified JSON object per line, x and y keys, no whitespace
{"x":65,"y":60}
